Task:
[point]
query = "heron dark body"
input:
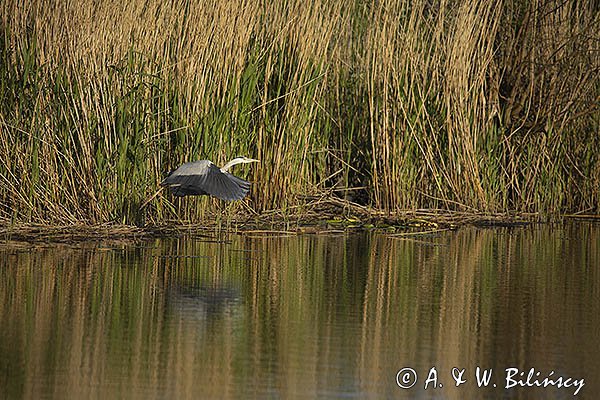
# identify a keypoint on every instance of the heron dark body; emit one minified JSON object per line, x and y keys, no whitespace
{"x":198,"y":178}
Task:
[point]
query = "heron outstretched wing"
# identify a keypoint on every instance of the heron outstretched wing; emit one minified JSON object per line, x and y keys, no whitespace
{"x":203,"y":177}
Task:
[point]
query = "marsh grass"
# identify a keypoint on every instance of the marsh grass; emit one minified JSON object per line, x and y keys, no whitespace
{"x":477,"y":106}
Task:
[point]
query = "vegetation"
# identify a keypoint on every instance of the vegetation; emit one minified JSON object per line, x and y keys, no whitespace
{"x":460,"y":105}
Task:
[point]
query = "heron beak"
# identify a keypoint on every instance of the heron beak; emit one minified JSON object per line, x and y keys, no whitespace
{"x":253,"y":160}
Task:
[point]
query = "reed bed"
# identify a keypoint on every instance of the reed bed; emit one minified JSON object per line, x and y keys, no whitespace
{"x":478,"y":106}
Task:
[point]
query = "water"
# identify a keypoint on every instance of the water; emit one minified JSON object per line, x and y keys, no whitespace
{"x":302,"y":317}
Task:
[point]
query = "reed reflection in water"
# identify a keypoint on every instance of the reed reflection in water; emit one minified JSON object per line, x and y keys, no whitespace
{"x":301,"y":317}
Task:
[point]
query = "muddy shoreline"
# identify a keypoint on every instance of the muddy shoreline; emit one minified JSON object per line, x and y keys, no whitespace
{"x":408,"y":223}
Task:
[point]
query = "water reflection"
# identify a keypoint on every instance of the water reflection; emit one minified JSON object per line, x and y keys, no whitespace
{"x":301,"y":317}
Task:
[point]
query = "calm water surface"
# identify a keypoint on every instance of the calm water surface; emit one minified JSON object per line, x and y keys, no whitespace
{"x":304,"y":317}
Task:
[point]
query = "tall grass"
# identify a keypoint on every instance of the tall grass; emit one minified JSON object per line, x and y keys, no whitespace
{"x":477,"y":105}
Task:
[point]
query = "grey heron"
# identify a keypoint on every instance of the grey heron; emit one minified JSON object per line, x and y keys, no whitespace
{"x":197,"y":178}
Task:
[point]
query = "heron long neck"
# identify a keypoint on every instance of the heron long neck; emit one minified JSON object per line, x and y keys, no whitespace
{"x":231,"y":163}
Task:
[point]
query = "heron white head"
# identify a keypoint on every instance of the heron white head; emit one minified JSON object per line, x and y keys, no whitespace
{"x":238,"y":160}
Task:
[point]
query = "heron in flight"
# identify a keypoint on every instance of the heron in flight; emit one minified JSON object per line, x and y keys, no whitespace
{"x":198,"y":178}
